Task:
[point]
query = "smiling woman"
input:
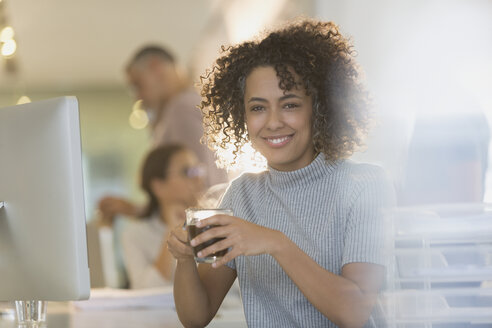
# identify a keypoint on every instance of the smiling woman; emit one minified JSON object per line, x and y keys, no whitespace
{"x":279,"y":124}
{"x":311,"y":58}
{"x":306,"y":241}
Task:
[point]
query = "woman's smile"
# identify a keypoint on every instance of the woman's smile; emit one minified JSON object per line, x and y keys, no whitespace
{"x":278,"y":141}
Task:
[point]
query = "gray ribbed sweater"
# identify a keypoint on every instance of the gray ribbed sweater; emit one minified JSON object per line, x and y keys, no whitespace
{"x":331,"y":210}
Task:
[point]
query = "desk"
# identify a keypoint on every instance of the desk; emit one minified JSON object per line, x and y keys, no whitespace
{"x":62,"y":315}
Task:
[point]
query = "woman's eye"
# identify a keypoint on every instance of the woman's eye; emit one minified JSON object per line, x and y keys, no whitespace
{"x":256,"y":108}
{"x":291,"y":106}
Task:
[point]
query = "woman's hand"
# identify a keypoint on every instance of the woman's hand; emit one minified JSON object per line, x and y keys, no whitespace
{"x":242,"y":237}
{"x":177,"y":244}
{"x":111,"y":206}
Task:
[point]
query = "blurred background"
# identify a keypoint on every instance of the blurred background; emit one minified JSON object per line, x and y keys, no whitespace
{"x":427,"y":63}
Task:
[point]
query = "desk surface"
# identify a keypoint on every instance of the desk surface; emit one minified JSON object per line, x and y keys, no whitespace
{"x":62,"y":315}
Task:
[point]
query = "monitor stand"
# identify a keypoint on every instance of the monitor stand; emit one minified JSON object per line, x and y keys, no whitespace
{"x":28,"y":312}
{"x":31,"y":313}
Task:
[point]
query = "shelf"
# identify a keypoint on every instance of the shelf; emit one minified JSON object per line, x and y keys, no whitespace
{"x":444,"y":264}
{"x":472,"y":305}
{"x":441,"y":271}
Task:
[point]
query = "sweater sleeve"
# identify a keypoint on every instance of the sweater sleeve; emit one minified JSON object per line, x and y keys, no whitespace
{"x":365,"y":238}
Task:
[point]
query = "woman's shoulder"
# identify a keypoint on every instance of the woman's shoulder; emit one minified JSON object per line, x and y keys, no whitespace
{"x":248,"y":180}
{"x":369,"y":169}
{"x":361,"y":174}
{"x":141,"y":229}
{"x":240,"y":187}
{"x":358,"y":171}
{"x":369,"y":179}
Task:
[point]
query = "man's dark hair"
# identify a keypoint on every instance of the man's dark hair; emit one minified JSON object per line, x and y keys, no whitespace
{"x":151,"y":51}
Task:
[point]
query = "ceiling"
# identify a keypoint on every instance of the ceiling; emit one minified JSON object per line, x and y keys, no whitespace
{"x":75,"y":44}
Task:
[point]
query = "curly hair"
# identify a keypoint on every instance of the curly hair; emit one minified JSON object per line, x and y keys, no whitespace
{"x":324,"y":62}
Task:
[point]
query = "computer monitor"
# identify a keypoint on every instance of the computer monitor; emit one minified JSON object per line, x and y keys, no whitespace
{"x":43,"y":246}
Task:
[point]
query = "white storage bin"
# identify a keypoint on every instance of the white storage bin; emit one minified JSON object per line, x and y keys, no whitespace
{"x":428,"y":225}
{"x":441,"y":269}
{"x":439,"y":306}
{"x":445,"y":264}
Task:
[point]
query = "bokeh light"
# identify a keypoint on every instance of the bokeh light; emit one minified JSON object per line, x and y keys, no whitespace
{"x":7,"y":34}
{"x":23,"y":100}
{"x":9,"y":48}
{"x":138,"y":119}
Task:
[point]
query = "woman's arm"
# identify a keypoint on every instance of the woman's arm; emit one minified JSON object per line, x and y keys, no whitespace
{"x":347,"y":300}
{"x":198,"y":291}
{"x":164,"y":263}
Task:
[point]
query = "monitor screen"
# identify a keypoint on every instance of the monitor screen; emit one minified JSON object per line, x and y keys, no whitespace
{"x":43,"y":246}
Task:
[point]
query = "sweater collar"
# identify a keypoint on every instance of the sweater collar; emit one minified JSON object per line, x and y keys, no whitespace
{"x":318,"y":168}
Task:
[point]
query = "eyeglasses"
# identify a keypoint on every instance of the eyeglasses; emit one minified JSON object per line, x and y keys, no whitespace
{"x":196,"y":171}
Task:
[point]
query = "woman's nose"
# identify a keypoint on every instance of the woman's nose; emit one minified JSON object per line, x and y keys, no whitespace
{"x":274,"y":120}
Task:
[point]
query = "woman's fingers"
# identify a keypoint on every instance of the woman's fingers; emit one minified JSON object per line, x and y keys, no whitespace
{"x":216,"y":247}
{"x":214,"y":232}
{"x":219,"y":219}
{"x":178,"y":246}
{"x":232,"y":254}
{"x":242,"y":237}
{"x":179,"y":250}
{"x":180,"y":234}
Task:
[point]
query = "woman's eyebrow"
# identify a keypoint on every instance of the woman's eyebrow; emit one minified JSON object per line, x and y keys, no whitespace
{"x":257,"y":99}
{"x":284,"y":97}
{"x":289,"y":96}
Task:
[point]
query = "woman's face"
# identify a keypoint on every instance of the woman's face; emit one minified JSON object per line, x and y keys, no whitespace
{"x":278,"y":124}
{"x":183,"y":183}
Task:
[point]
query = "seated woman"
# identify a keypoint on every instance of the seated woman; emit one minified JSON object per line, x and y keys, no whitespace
{"x":172,"y":180}
{"x":306,"y":239}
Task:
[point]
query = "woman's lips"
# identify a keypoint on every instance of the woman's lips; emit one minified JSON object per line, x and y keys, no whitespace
{"x":278,"y":141}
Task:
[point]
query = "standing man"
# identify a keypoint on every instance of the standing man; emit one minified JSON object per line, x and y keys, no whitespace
{"x":171,"y":105}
